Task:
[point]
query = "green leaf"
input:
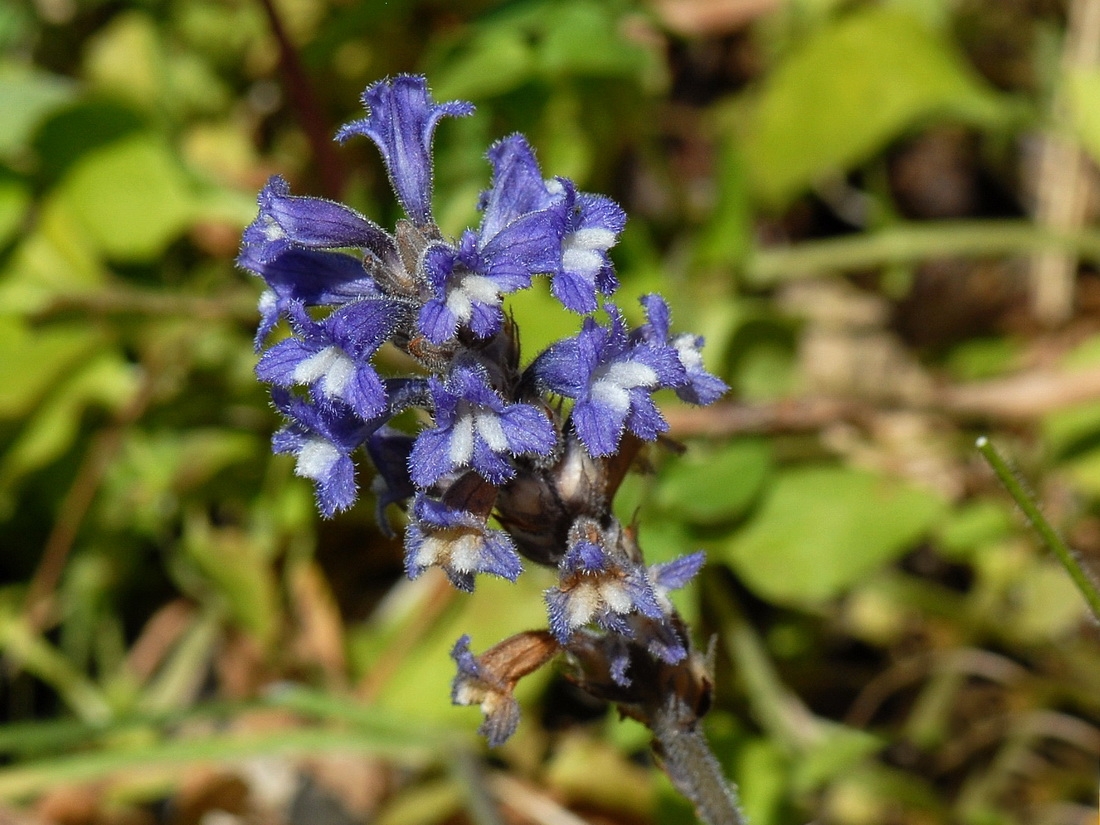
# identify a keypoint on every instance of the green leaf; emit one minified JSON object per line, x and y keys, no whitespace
{"x":26,"y":98}
{"x":850,"y":89}
{"x":734,"y":475}
{"x":51,"y":351}
{"x":822,"y":529}
{"x":131,"y":197}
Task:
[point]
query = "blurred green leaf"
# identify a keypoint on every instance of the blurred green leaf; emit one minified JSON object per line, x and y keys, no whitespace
{"x":51,"y":350}
{"x":853,"y":87}
{"x":835,"y":753}
{"x":26,"y":98}
{"x":15,"y":198}
{"x":132,"y":197}
{"x":822,"y":529}
{"x":708,"y":486}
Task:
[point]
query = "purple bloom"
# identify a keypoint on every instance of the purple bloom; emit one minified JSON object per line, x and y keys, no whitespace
{"x":459,"y":542}
{"x":287,"y":221}
{"x":401,"y":120}
{"x":520,"y":236}
{"x":594,"y":225}
{"x":475,"y":427}
{"x":699,"y":387}
{"x":308,"y":277}
{"x":598,"y":583}
{"x":612,"y":378}
{"x":332,"y":356}
{"x":322,"y":438}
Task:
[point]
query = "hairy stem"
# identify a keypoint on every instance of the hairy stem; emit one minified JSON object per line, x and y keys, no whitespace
{"x":693,"y":768}
{"x":1085,"y":583}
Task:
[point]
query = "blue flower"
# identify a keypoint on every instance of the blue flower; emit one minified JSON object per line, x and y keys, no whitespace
{"x":598,"y":583}
{"x":594,"y":225}
{"x":612,"y":377}
{"x":571,"y":246}
{"x":458,"y":542}
{"x":519,"y":237}
{"x":332,"y":356}
{"x":287,"y":221}
{"x":699,"y":387}
{"x":308,"y":277}
{"x":322,"y":438}
{"x":475,"y":427}
{"x":401,"y":120}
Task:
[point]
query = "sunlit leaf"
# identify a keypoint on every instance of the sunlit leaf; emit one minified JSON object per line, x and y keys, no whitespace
{"x":849,"y":90}
{"x":706,"y":486}
{"x":822,"y":529}
{"x":26,"y":98}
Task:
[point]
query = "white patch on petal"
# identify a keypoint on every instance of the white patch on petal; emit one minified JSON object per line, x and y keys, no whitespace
{"x":490,"y":429}
{"x":472,"y":289}
{"x":339,"y":375}
{"x":462,"y":437}
{"x":616,"y":596}
{"x":582,"y":261}
{"x":466,"y":552}
{"x":316,"y":458}
{"x":554,"y":187}
{"x":268,"y":302}
{"x":613,"y":382}
{"x":431,"y":551}
{"x":610,"y":395}
{"x":467,"y":693}
{"x":689,"y":354}
{"x":582,"y":603}
{"x":316,"y":366}
{"x":272,"y":230}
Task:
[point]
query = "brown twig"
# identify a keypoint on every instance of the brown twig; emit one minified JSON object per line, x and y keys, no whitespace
{"x":97,"y":458}
{"x":304,"y":100}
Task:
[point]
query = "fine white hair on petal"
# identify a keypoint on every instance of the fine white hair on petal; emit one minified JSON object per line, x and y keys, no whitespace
{"x":315,"y":459}
{"x":316,"y":366}
{"x":630,"y":374}
{"x":582,"y":604}
{"x":576,"y":259}
{"x":465,"y":552}
{"x":339,"y":374}
{"x":689,"y":353}
{"x":490,"y":429}
{"x":609,"y":394}
{"x":481,"y":289}
{"x":462,"y":437}
{"x":595,"y":237}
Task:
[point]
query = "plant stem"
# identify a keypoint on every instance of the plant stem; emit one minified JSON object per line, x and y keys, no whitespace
{"x":1050,"y":537}
{"x":694,"y":770}
{"x":909,"y":243}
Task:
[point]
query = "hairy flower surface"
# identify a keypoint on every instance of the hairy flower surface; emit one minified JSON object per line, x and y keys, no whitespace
{"x":401,"y":120}
{"x":493,"y":444}
{"x":475,"y":427}
{"x":612,"y":378}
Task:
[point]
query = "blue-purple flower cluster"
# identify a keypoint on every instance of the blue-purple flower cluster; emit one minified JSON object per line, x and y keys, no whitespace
{"x":506,"y":468}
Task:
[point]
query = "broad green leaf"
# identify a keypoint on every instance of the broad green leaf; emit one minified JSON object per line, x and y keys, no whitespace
{"x":822,"y":529}
{"x":834,"y":754}
{"x":585,"y":38}
{"x":710,"y":486}
{"x":853,"y":87}
{"x":31,"y":362}
{"x":492,"y":63}
{"x":26,"y":98}
{"x":132,"y":197}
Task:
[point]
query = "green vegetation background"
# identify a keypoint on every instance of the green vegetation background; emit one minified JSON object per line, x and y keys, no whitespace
{"x":837,"y":194}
